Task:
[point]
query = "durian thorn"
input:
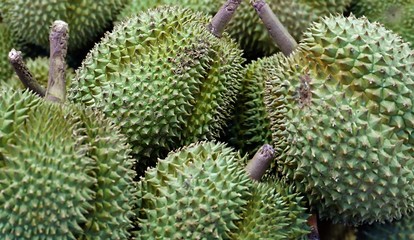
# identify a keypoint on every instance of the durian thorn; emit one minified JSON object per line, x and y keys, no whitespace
{"x":16,"y":60}
{"x":313,"y":223}
{"x":56,"y":85}
{"x":277,"y":31}
{"x":260,"y":162}
{"x":219,"y":22}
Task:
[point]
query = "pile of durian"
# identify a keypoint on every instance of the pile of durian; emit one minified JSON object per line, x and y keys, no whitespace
{"x":206,"y":119}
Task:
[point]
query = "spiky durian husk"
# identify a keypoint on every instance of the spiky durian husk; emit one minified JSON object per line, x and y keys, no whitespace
{"x":396,"y":15}
{"x":402,"y":229}
{"x":87,"y":19}
{"x":198,"y":191}
{"x":65,"y":172}
{"x":347,"y":99}
{"x":328,"y":6}
{"x":163,"y":78}
{"x":6,"y":44}
{"x":275,"y":211}
{"x":250,"y":125}
{"x":39,"y":68}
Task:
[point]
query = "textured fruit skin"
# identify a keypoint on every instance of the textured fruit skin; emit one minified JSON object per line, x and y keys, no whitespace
{"x":327,"y":6}
{"x":396,"y":230}
{"x":396,"y":15}
{"x":346,"y":96}
{"x":65,"y":172}
{"x":249,"y":128}
{"x":87,"y":19}
{"x":39,"y":68}
{"x":163,"y":78}
{"x":6,"y":44}
{"x":274,"y":211}
{"x":198,"y":192}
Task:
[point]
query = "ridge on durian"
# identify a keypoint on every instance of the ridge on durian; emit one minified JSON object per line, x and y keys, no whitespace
{"x":396,"y":15}
{"x":246,"y":27}
{"x":65,"y":172}
{"x":345,"y":101}
{"x":198,"y":191}
{"x":39,"y":68}
{"x":88,"y":19}
{"x":275,"y":211}
{"x":163,"y":78}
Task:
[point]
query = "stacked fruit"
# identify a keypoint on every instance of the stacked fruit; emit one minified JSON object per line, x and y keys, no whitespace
{"x":153,"y":138}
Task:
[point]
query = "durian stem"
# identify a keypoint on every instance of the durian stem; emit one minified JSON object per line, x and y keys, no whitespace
{"x":56,"y":85}
{"x":260,"y":162}
{"x":219,"y":22}
{"x":277,"y":31}
{"x":16,"y":60}
{"x":313,"y":223}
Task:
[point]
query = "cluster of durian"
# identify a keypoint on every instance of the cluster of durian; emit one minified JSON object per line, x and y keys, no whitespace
{"x":137,"y":150}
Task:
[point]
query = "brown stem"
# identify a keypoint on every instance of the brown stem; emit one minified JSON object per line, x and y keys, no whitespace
{"x":260,"y":162}
{"x":56,"y":85}
{"x":277,"y":31}
{"x":16,"y":60}
{"x":313,"y":223}
{"x":219,"y":22}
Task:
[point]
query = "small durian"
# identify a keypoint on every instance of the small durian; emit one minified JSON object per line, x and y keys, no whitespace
{"x":39,"y":68}
{"x":401,"y":229}
{"x":163,"y":78}
{"x":198,"y":191}
{"x":88,"y":19}
{"x":396,"y":15}
{"x":249,"y":127}
{"x":275,"y":211}
{"x":344,"y":103}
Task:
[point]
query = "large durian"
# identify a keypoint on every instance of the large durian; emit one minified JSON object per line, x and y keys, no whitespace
{"x":30,"y":20}
{"x":341,"y":108}
{"x":396,"y":15}
{"x":6,"y":44}
{"x":274,"y":212}
{"x":199,"y":191}
{"x":65,"y":172}
{"x":163,"y":78}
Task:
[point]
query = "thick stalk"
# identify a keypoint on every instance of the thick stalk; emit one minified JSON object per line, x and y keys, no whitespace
{"x":219,"y":22}
{"x":260,"y":162}
{"x":313,"y":223}
{"x":277,"y":31}
{"x":56,"y":85}
{"x":16,"y":60}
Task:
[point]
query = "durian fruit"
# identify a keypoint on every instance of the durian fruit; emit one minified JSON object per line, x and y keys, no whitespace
{"x":396,"y":15}
{"x":199,"y":191}
{"x":274,"y":211}
{"x":402,"y":229}
{"x":39,"y":68}
{"x":65,"y":172}
{"x":6,"y":44}
{"x":328,"y":6}
{"x":88,"y":19}
{"x":163,"y":78}
{"x":250,"y":125}
{"x":341,"y":107}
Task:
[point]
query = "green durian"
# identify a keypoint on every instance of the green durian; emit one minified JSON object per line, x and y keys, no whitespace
{"x":274,"y":211}
{"x":163,"y":78}
{"x":341,"y":107}
{"x":199,"y":191}
{"x":402,"y":229}
{"x":6,"y":44}
{"x":65,"y":172}
{"x":249,"y":128}
{"x":39,"y":68}
{"x":396,"y":15}
{"x":328,"y":6}
{"x":31,"y":20}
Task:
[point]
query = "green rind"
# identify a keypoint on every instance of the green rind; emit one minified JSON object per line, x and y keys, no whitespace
{"x":87,"y":19}
{"x":197,"y":191}
{"x":6,"y":44}
{"x":163,"y":79}
{"x":347,"y":99}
